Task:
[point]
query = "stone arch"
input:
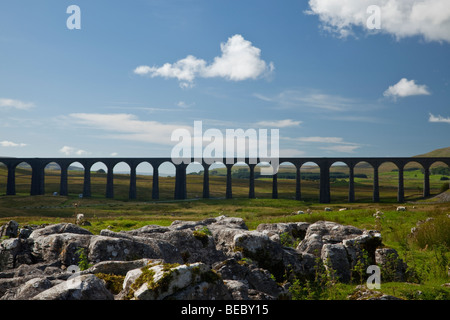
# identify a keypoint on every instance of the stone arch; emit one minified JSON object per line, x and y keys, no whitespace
{"x":194,"y":180}
{"x":266,"y":183}
{"x":167,"y":174}
{"x":121,"y":180}
{"x":99,"y":179}
{"x":144,"y":180}
{"x":75,"y":178}
{"x":388,"y":173}
{"x":413,"y":176}
{"x":363,"y":173}
{"x":217,"y":172}
{"x":310,"y":180}
{"x":286,"y":180}
{"x":3,"y":178}
{"x":23,"y":177}
{"x":438,"y":173}
{"x":340,"y":182}
{"x":52,"y":177}
{"x":240,"y":177}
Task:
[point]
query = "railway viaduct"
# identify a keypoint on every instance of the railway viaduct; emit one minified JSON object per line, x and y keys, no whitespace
{"x":38,"y":176}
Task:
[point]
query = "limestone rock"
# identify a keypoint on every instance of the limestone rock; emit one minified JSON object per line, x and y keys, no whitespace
{"x":59,"y":228}
{"x":83,"y":287}
{"x":295,"y":230}
{"x":238,"y":289}
{"x":335,"y":258}
{"x":102,"y":248}
{"x":159,"y":281}
{"x":9,"y":248}
{"x":322,"y":232}
{"x":28,"y":290}
{"x":60,"y":246}
{"x":363,"y":293}
{"x":117,"y":267}
{"x":9,"y":229}
{"x":393,"y":268}
{"x":248,"y":276}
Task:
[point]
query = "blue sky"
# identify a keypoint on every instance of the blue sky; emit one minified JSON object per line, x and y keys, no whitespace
{"x":137,"y":70}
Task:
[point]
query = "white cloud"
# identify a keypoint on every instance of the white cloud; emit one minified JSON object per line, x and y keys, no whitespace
{"x":70,"y":151}
{"x":352,"y":118}
{"x":128,"y":127}
{"x":321,"y":139}
{"x":405,"y":88}
{"x":313,"y":100}
{"x":279,"y":123}
{"x":341,"y":148}
{"x":114,"y":154}
{"x":336,"y":144}
{"x":184,"y":105}
{"x":240,"y":60}
{"x":291,"y":153}
{"x":184,"y":70}
{"x":142,"y":70}
{"x":11,"y":144}
{"x":16,"y":104}
{"x":263,"y":97}
{"x":438,"y":119}
{"x":429,"y":19}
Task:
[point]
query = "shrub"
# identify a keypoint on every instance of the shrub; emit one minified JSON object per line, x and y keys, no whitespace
{"x":445,"y":187}
{"x":434,"y":232}
{"x":113,"y":282}
{"x":83,"y":262}
{"x":324,"y":286}
{"x":202,"y":235}
{"x":287,"y":240}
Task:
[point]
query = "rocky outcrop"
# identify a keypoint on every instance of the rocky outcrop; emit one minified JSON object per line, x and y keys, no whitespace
{"x":82,"y":287}
{"x":341,"y":248}
{"x":9,"y":229}
{"x":159,"y":280}
{"x":216,"y":258}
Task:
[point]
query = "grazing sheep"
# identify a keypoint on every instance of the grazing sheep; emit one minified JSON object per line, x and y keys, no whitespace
{"x":80,"y":218}
{"x":401,"y":208}
{"x":378,"y":213}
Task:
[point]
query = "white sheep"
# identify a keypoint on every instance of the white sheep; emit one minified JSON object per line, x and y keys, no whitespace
{"x":80,"y":218}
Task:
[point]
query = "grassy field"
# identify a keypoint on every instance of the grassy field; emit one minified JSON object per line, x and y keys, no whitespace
{"x":428,"y":254}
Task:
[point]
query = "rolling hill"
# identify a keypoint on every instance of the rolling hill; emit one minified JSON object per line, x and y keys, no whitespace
{"x":443,"y":152}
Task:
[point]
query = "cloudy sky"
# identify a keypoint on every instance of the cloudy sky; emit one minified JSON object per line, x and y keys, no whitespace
{"x":336,"y":78}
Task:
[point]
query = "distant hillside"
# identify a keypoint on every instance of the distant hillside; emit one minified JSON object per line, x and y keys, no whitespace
{"x":54,"y":166}
{"x":444,"y":152}
{"x":51,"y":166}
